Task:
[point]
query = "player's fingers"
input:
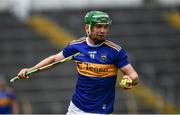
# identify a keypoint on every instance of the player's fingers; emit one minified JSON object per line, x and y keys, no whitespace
{"x":22,"y":74}
{"x":128,"y":85}
{"x":129,"y":80}
{"x":126,"y":82}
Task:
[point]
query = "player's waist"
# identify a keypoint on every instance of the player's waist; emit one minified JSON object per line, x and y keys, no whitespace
{"x":5,"y":102}
{"x":96,"y":70}
{"x":94,"y":104}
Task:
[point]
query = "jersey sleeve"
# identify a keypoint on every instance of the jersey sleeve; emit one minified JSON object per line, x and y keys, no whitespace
{"x":12,"y":96}
{"x":122,"y":59}
{"x":69,"y":50}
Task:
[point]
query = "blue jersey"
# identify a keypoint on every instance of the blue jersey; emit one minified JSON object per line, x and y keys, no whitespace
{"x":97,"y":72}
{"x":6,"y":99}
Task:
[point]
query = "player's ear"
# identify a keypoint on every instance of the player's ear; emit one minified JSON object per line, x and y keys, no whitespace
{"x":87,"y":28}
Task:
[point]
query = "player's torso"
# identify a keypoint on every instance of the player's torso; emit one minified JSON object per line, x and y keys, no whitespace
{"x":5,"y":103}
{"x":96,"y":77}
{"x":96,"y":61}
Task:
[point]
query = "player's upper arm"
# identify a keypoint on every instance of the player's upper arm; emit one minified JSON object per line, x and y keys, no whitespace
{"x":58,"y":56}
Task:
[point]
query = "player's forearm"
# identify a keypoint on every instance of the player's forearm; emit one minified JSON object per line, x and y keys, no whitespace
{"x":44,"y":62}
{"x":134,"y":77}
{"x":131,"y":73}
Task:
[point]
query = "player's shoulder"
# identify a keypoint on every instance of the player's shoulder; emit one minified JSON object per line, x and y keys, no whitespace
{"x":113,"y":45}
{"x":78,"y":41}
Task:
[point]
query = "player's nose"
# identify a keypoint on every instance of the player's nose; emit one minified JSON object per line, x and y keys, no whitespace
{"x":102,"y":30}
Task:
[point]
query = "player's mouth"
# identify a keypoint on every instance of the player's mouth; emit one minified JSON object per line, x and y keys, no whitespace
{"x":101,"y":36}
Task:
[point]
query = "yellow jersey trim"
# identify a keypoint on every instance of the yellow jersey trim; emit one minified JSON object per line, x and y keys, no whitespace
{"x":78,"y":41}
{"x":5,"y":102}
{"x":113,"y":45}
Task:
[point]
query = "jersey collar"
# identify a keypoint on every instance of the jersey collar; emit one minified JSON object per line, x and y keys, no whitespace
{"x":92,"y":45}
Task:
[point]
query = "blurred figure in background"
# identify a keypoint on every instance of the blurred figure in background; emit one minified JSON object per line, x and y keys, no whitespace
{"x":8,"y":101}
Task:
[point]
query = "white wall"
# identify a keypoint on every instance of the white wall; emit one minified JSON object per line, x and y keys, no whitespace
{"x":169,"y":3}
{"x":21,"y":8}
{"x":71,"y":4}
{"x":66,"y":4}
{"x":4,"y":5}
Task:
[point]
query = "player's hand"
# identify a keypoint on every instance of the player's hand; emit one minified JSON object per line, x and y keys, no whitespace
{"x":22,"y":73}
{"x":126,"y":82}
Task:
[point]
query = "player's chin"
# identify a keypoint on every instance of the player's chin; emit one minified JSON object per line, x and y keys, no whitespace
{"x":101,"y":37}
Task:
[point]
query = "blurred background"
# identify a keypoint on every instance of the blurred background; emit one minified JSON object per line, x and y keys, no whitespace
{"x":149,"y":30}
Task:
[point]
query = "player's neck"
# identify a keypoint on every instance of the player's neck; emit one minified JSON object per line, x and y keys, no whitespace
{"x":91,"y":42}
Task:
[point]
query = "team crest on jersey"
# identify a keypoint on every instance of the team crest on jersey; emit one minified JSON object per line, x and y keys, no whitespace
{"x":103,"y":57}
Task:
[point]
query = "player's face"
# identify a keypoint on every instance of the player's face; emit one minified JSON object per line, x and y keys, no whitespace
{"x":99,"y":32}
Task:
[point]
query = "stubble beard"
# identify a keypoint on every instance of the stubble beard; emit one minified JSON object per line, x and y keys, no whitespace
{"x":97,"y":40}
